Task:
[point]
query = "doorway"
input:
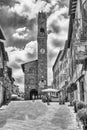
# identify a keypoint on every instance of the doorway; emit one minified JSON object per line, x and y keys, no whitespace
{"x":81,"y":81}
{"x":34,"y":93}
{"x":82,"y":91}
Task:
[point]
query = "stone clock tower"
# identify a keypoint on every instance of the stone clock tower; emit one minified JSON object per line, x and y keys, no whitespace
{"x":42,"y":50}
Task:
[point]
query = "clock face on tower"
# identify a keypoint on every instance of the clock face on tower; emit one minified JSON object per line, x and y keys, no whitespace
{"x":42,"y":50}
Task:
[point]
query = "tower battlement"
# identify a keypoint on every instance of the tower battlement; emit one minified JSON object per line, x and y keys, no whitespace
{"x":42,"y":15}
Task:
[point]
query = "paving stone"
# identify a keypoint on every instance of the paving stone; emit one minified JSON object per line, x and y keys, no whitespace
{"x":28,"y":115}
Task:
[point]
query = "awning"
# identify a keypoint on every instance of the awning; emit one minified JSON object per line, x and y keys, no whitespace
{"x":1,"y":35}
{"x":69,"y":89}
{"x":72,"y":87}
{"x":49,"y":90}
{"x":81,"y":76}
{"x":61,"y":89}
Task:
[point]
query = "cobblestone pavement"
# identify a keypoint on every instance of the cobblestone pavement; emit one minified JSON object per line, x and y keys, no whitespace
{"x":28,"y":115}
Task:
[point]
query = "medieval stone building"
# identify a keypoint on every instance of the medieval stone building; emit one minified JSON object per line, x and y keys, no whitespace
{"x":35,"y":72}
{"x":30,"y":70}
{"x":74,"y":58}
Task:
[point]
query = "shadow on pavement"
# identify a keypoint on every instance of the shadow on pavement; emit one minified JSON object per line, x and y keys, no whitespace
{"x":2,"y":123}
{"x":62,"y":118}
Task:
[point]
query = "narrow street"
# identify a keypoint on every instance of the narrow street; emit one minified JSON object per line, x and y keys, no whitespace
{"x":28,"y":115}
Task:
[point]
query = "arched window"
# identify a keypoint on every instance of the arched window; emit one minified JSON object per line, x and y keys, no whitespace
{"x":42,"y":30}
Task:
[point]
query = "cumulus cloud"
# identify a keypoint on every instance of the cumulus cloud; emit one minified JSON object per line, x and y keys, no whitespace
{"x":22,"y":55}
{"x":24,"y":15}
{"x":11,"y":21}
{"x":57,"y":28}
{"x":50,"y":75}
{"x":30,"y":8}
{"x":19,"y":78}
{"x":57,"y":18}
{"x":19,"y":56}
{"x":21,"y":33}
{"x":8,"y":2}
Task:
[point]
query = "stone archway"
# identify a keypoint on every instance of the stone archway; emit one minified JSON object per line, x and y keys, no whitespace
{"x":33,"y":92}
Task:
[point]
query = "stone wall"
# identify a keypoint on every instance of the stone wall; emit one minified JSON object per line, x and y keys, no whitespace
{"x":42,"y":50}
{"x":31,"y":77}
{"x":1,"y":93}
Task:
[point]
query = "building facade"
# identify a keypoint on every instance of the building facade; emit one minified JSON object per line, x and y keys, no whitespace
{"x":30,"y":70}
{"x":79,"y":50}
{"x":5,"y":79}
{"x":5,"y":73}
{"x":61,"y":71}
{"x":15,"y":90}
{"x":56,"y":69}
{"x":74,"y":59}
{"x":35,"y":72}
{"x":2,"y":51}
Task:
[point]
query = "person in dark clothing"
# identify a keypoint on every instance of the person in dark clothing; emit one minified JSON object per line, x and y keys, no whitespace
{"x":33,"y":97}
{"x":48,"y":100}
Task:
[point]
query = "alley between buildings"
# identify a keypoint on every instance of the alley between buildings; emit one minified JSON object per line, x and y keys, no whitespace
{"x":29,"y":115}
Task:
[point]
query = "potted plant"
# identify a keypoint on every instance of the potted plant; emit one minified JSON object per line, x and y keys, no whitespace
{"x":74,"y":104}
{"x":63,"y":101}
{"x":80,"y":105}
{"x":82,"y":116}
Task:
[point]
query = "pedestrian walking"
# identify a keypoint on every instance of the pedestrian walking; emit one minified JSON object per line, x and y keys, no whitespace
{"x":48,"y":100}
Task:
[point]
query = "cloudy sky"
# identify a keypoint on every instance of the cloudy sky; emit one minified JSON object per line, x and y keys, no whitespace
{"x":18,"y":19}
